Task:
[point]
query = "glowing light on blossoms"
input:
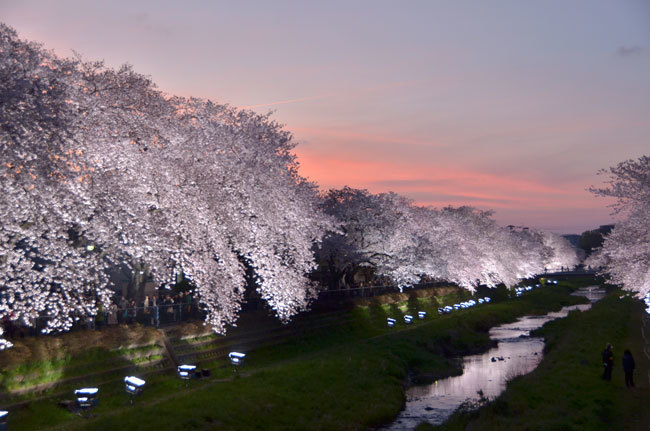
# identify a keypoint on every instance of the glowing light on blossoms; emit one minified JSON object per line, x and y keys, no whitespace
{"x":100,"y":171}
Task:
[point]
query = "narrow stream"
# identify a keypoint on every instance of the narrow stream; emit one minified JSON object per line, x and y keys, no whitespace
{"x":517,"y":353}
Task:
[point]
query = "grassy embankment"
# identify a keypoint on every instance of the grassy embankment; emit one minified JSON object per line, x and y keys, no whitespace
{"x":566,"y":392}
{"x":34,"y":364}
{"x":346,"y":377}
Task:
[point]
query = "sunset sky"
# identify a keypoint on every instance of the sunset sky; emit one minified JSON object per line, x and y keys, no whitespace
{"x":506,"y":105}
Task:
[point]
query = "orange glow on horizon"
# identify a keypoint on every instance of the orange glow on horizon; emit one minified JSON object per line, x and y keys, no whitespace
{"x":437,"y":185}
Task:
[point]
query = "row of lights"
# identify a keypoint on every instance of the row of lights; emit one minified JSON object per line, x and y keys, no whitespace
{"x":442,"y":310}
{"x":135,"y":385}
{"x":462,"y":305}
{"x":407,"y":319}
{"x":520,"y":290}
{"x":86,"y":398}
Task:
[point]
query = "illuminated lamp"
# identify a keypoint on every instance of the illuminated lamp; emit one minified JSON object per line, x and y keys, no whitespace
{"x":186,"y":372}
{"x":3,"y":419}
{"x":408,"y":318}
{"x":487,"y":299}
{"x":236,"y":358}
{"x":481,"y":300}
{"x":134,"y":386}
{"x":86,"y":397}
{"x":422,"y":314}
{"x":391,"y":322}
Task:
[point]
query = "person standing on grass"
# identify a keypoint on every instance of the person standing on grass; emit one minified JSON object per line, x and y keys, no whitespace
{"x":608,"y":362}
{"x":628,"y":367}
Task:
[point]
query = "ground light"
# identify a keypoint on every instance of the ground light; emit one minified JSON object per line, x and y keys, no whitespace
{"x":391,"y":322}
{"x":236,"y":358}
{"x":86,"y":397}
{"x":3,"y":420}
{"x":422,"y":314}
{"x":134,"y":386}
{"x":186,"y":372}
{"x":408,"y":318}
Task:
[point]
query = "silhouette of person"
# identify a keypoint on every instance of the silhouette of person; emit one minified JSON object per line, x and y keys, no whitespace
{"x":608,"y":362}
{"x":628,"y":367}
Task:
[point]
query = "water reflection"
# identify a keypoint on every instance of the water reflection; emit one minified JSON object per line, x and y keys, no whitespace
{"x":516,"y":353}
{"x":592,"y":293}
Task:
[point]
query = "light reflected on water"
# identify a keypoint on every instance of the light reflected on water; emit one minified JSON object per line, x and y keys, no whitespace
{"x":516,"y":353}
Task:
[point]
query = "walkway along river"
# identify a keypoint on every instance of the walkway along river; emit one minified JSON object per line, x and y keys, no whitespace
{"x":516,"y":354}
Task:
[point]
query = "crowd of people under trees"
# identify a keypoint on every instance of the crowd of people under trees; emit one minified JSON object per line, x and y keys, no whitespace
{"x":153,"y":310}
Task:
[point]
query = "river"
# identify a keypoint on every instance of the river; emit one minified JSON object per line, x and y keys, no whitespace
{"x":516,"y":353}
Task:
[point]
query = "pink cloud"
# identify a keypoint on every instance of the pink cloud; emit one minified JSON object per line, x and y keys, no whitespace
{"x":440,"y":185}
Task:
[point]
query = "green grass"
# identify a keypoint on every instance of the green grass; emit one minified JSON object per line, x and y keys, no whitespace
{"x":349,"y":376}
{"x":26,"y":375}
{"x":566,"y":392}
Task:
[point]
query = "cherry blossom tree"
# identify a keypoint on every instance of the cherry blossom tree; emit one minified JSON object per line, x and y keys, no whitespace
{"x":99,"y":168}
{"x":376,"y":230}
{"x":406,"y":242}
{"x":43,"y":268}
{"x":561,"y":254}
{"x":201,"y":188}
{"x":625,"y":254}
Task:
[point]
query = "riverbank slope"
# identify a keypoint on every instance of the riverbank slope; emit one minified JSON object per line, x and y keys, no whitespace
{"x":346,"y":377}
